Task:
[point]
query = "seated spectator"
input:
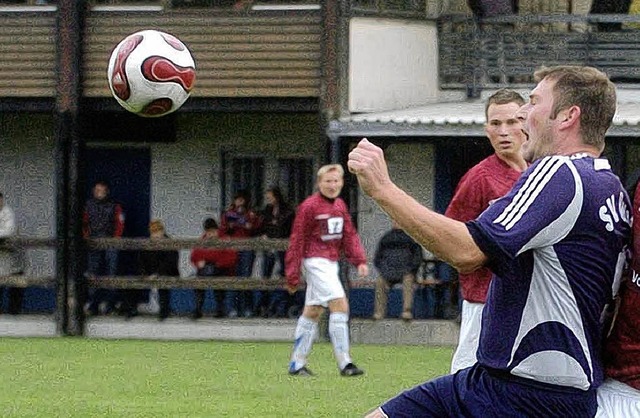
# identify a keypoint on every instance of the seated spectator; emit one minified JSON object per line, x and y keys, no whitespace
{"x":276,"y":222}
{"x":154,"y":263}
{"x":240,"y":221}
{"x":11,"y":259}
{"x":211,"y":262}
{"x":397,"y":259}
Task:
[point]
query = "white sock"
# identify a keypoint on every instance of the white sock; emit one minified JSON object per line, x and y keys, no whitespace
{"x":339,"y":333}
{"x":306,"y":332}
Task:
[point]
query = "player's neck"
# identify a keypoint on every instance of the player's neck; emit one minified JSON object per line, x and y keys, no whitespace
{"x":589,"y":150}
{"x":514,"y":161}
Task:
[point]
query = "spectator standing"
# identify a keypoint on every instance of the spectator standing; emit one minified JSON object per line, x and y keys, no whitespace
{"x":276,"y":220}
{"x":240,"y":221}
{"x":155,"y":263}
{"x":398,"y":258}
{"x":211,"y":262}
{"x":10,"y":258}
{"x":555,"y":243}
{"x":485,"y":182}
{"x":102,"y":218}
{"x":322,"y":229}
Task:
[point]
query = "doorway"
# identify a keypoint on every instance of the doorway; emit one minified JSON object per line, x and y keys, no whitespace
{"x":128,"y":172}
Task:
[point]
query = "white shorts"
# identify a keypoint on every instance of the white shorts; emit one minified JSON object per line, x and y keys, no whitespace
{"x":323,"y":281}
{"x":465,"y":355}
{"x":617,"y":400}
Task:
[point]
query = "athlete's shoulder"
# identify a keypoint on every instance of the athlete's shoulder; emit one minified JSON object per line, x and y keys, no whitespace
{"x":310,"y":201}
{"x":549,"y":167}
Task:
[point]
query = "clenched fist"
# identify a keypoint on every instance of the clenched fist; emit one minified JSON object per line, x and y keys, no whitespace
{"x":367,"y":162}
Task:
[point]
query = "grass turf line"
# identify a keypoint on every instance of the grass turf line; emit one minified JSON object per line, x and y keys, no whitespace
{"x":75,"y":377}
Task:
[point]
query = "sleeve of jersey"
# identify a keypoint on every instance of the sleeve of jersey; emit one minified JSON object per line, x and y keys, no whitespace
{"x":353,"y":249}
{"x":294,"y":254}
{"x":119,"y":222}
{"x":196,"y":256}
{"x":539,"y":211}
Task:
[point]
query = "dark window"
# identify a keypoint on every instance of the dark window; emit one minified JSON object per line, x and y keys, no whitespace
{"x":243,"y":173}
{"x":295,"y":178}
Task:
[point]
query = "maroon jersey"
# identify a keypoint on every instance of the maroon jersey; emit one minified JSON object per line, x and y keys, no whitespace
{"x":485,"y":182}
{"x":322,"y":228}
{"x":622,"y":349}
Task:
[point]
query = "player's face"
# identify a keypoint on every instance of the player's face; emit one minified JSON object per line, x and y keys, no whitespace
{"x":211,"y":233}
{"x":100,"y":191}
{"x":330,"y":184}
{"x":537,"y":122}
{"x":504,"y":129}
{"x":270,"y":198}
{"x":157,"y":234}
{"x":239,"y":202}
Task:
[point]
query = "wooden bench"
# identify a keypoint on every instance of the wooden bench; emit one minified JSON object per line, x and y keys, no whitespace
{"x":163,"y":282}
{"x":27,"y":281}
{"x":214,"y":283}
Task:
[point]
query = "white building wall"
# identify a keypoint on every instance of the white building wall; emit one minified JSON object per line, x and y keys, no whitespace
{"x":27,"y":182}
{"x":393,"y":64}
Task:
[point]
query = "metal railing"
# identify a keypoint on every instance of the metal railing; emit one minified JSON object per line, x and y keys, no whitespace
{"x":506,"y":50}
{"x":177,"y":282}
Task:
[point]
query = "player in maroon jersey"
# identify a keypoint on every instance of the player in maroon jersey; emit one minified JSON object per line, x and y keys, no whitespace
{"x":619,"y":395}
{"x":322,"y":232}
{"x":485,"y":182}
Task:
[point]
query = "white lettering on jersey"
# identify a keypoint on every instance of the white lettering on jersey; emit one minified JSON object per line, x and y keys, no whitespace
{"x":613,"y":212}
{"x":334,"y":225}
{"x":635,"y":278}
{"x":333,"y":229}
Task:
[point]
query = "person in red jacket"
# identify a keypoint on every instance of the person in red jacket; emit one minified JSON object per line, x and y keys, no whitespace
{"x":322,"y":232}
{"x":212,"y":262}
{"x":241,"y":221}
{"x":619,"y":395}
{"x":485,"y":182}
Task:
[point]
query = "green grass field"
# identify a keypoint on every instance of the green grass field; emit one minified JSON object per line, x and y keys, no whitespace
{"x":73,"y":377}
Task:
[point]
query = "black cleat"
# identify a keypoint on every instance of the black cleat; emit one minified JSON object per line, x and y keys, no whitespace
{"x":351,"y":370}
{"x":302,"y":371}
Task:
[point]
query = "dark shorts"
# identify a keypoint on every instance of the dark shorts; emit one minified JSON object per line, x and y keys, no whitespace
{"x":479,"y":392}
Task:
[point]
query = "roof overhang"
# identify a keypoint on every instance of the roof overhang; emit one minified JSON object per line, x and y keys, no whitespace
{"x":452,"y":119}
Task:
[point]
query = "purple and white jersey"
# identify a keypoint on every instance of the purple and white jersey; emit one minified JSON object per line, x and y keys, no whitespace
{"x":556,"y":244}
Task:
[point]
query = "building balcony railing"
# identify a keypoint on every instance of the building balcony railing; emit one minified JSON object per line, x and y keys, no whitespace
{"x":505,"y":51}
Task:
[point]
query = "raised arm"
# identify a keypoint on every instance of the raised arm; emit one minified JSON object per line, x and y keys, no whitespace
{"x":448,"y":239}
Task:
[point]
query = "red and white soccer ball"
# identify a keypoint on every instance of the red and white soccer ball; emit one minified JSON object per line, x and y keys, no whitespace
{"x":151,"y":73}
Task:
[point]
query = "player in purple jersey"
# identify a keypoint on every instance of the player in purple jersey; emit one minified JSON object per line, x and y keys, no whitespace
{"x":556,"y":244}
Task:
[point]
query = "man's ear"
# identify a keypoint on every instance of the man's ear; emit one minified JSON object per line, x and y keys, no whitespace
{"x":570,"y":116}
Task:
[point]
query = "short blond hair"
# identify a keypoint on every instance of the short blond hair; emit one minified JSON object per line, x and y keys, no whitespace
{"x":328,"y":168}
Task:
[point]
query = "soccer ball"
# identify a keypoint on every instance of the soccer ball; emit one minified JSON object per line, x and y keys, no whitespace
{"x":151,"y":73}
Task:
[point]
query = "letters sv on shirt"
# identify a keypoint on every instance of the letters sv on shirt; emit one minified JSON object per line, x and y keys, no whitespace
{"x":613,"y":212}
